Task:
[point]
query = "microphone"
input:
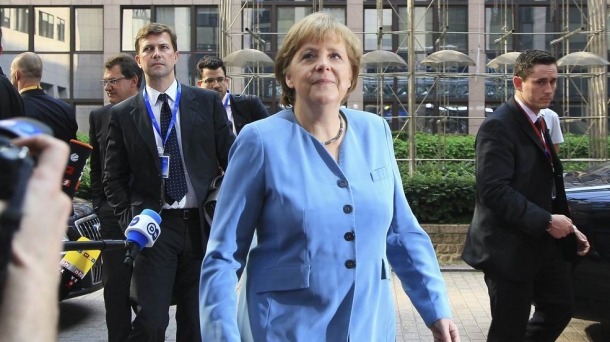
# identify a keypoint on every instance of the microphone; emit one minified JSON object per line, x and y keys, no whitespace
{"x":79,"y":153}
{"x":142,"y":232}
{"x":74,"y":267}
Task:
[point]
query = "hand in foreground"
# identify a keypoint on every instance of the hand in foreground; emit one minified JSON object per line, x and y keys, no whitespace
{"x":560,"y":226}
{"x":34,"y":268}
{"x":582,"y":243}
{"x":444,"y":330}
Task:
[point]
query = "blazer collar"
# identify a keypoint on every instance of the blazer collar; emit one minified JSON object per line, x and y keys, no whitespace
{"x":526,"y":125}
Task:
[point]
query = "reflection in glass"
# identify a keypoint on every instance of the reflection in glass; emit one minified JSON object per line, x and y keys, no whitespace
{"x":257,"y":21}
{"x":443,"y":118}
{"x":371,"y":26}
{"x":56,"y":75}
{"x":89,"y":30}
{"x":423,"y":29}
{"x":47,"y":38}
{"x":15,"y":35}
{"x":88,"y":70}
{"x":207,"y":28}
{"x":457,"y":21}
{"x":179,"y":20}
{"x":535,"y":20}
{"x":183,"y":72}
{"x":133,"y":20}
{"x":495,"y":25}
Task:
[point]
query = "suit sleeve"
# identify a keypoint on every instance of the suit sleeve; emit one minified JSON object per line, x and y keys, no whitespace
{"x":495,"y":170}
{"x":223,"y":133}
{"x":116,"y":171}
{"x":411,"y":254}
{"x":96,"y":167}
{"x":238,"y":209}
{"x":258,"y":108}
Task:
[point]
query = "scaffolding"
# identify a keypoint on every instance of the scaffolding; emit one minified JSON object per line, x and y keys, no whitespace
{"x":592,"y":25}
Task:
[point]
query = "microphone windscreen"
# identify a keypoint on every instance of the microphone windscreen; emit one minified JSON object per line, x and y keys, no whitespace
{"x":74,"y":267}
{"x":79,"y":153}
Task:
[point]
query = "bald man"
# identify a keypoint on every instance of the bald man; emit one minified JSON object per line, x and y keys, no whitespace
{"x":11,"y":104}
{"x":26,"y":73}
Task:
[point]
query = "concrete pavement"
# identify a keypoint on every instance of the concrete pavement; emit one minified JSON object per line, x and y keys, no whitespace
{"x":83,"y":319}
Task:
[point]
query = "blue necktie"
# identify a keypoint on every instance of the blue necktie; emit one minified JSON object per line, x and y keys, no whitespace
{"x":175,"y":185}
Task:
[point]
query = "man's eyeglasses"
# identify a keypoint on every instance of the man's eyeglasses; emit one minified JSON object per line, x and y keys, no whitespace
{"x":212,"y":80}
{"x":112,"y":81}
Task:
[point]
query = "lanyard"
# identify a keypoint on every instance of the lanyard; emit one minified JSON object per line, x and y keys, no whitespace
{"x":226,"y":104}
{"x":174,"y":111}
{"x":547,"y":152}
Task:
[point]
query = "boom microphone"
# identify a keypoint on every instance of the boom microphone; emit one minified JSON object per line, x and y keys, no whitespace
{"x":79,"y":153}
{"x":142,"y":232}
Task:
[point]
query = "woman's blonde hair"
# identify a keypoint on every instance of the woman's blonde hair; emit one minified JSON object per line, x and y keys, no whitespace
{"x":316,"y":28}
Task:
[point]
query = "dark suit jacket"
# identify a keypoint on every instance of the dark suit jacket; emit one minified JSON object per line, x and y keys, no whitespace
{"x":132,"y":175}
{"x":246,"y":109}
{"x":11,"y":104}
{"x":55,"y":113}
{"x":514,"y":182}
{"x":98,"y":132}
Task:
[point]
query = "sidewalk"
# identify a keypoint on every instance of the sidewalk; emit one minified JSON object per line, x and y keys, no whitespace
{"x":83,"y":318}
{"x":470,"y":308}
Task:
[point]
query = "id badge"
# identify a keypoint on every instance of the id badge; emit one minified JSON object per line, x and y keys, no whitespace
{"x":164,"y":166}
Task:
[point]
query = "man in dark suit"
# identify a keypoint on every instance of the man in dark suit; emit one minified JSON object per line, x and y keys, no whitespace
{"x":241,"y":109}
{"x":164,"y":147}
{"x":521,"y":235}
{"x":11,"y":104}
{"x":122,"y":79}
{"x":26,"y":73}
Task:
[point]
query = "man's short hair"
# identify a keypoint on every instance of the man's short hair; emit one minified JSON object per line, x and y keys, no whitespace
{"x":129,"y":66}
{"x":212,"y":63}
{"x":156,"y":28}
{"x":528,"y":59}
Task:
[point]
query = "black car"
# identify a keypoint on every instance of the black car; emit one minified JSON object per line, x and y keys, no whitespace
{"x":589,"y":197}
{"x":84,"y":222}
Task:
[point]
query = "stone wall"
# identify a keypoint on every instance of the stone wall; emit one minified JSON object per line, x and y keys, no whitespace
{"x":448,"y":241}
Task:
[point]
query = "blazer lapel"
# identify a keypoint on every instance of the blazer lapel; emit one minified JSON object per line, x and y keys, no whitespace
{"x":526,"y":124}
{"x":188,"y":109}
{"x":141,"y":118}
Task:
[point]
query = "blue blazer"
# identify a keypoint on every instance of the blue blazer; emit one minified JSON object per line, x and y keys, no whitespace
{"x":327,"y":233}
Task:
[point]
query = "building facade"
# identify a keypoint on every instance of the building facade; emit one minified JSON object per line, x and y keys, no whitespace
{"x":74,"y":38}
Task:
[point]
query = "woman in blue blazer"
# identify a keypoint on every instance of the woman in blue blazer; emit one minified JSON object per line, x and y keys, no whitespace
{"x":320,"y":186}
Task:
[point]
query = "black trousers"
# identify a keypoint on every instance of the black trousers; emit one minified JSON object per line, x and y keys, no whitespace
{"x":550,"y":291}
{"x":169,"y":273}
{"x":116,"y":278}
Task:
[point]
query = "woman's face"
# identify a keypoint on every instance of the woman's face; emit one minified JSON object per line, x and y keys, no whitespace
{"x":320,"y":73}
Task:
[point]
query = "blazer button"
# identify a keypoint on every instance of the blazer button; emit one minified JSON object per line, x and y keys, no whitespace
{"x":342,"y":183}
{"x":350,"y":264}
{"x":347,"y":209}
{"x":349,"y":236}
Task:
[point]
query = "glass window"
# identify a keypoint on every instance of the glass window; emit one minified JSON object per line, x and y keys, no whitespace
{"x":5,"y":17}
{"x":259,"y":23}
{"x":47,"y":40}
{"x":286,"y":17}
{"x":456,"y":20}
{"x":89,"y":31}
{"x":578,"y":18}
{"x":56,"y":74}
{"x":535,"y":20}
{"x":133,"y":20}
{"x":371,"y":26}
{"x":61,"y":30}
{"x":182,"y":69}
{"x":207,"y":28}
{"x":179,"y":20}
{"x":497,"y":23}
{"x":423,"y":29}
{"x":45,"y":24}
{"x":82,"y":115}
{"x":88,"y":70}
{"x":15,"y":36}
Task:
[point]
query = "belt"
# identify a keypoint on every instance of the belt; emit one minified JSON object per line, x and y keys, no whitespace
{"x":185,"y":214}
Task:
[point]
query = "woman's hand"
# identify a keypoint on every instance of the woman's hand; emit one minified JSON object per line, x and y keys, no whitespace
{"x":444,"y":330}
